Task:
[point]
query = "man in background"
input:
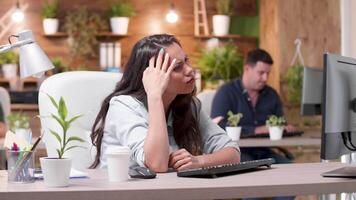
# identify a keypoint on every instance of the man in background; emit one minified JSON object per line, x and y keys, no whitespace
{"x":252,"y":97}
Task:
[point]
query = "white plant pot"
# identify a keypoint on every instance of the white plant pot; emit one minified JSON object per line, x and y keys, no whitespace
{"x":50,"y":25}
{"x":221,"y":25}
{"x":56,"y":171}
{"x":275,"y":132}
{"x":233,"y":132}
{"x":9,"y":70}
{"x":24,"y":133}
{"x":119,"y":25}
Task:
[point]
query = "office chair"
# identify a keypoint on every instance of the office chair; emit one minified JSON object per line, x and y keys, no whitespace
{"x":5,"y":102}
{"x":206,"y":98}
{"x":83,"y":92}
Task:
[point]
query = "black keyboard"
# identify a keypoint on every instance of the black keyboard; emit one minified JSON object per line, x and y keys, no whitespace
{"x":266,"y":135}
{"x":224,"y":170}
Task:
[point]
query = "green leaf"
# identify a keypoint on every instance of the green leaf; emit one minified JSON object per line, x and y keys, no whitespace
{"x":72,"y":147}
{"x":62,"y":123}
{"x":73,"y":119}
{"x":75,"y":138}
{"x":62,"y":110}
{"x":59,"y":153}
{"x":53,"y":101}
{"x":56,"y":135}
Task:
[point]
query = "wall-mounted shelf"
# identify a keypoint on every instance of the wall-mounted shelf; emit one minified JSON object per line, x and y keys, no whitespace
{"x":100,"y":35}
{"x":227,"y":37}
{"x":26,"y":80}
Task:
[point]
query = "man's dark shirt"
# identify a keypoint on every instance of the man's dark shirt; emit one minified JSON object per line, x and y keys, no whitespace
{"x":232,"y":96}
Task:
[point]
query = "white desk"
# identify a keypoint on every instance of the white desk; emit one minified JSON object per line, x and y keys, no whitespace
{"x":288,"y":179}
{"x":288,"y":141}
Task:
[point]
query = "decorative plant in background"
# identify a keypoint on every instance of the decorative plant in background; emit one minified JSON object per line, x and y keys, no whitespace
{"x":61,"y":118}
{"x":233,"y":119}
{"x":224,"y":7}
{"x":9,"y":57}
{"x":121,"y":9}
{"x":294,"y":78}
{"x":82,"y":28}
{"x":50,"y":10}
{"x":59,"y":66}
{"x":223,"y":62}
{"x":273,"y":120}
{"x":18,"y":120}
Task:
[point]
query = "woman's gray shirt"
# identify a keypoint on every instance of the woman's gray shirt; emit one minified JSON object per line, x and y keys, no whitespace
{"x":127,"y":125}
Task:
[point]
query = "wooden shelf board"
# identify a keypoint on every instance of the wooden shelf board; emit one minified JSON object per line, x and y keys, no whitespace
{"x":235,"y":37}
{"x":22,"y":106}
{"x":102,"y":34}
{"x":26,"y":80}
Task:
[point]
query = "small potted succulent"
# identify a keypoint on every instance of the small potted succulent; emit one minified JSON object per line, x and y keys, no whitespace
{"x":232,"y":128}
{"x":9,"y":62}
{"x":56,"y":170}
{"x":50,"y":20}
{"x":120,"y":13}
{"x":275,"y":126}
{"x":18,"y":123}
{"x":221,"y":21}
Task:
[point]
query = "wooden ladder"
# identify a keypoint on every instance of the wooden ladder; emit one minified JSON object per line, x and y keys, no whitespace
{"x":200,"y":18}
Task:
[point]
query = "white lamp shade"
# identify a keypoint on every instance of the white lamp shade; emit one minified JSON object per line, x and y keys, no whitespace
{"x":33,"y":61}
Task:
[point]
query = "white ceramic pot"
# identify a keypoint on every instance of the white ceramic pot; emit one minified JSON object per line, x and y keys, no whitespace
{"x":9,"y":70}
{"x":119,"y":25}
{"x":50,"y":25}
{"x":56,"y":171}
{"x":275,"y":132}
{"x":233,"y":132}
{"x":221,"y":25}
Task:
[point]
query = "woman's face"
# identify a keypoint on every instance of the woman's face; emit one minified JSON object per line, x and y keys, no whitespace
{"x":182,"y":77}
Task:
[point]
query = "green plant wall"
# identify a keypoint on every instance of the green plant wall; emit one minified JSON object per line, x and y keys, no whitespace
{"x":246,"y":25}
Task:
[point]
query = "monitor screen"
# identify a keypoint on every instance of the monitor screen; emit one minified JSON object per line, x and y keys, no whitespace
{"x":312,"y":91}
{"x":338,"y":106}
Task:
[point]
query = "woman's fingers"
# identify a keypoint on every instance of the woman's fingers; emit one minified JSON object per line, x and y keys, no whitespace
{"x":179,"y":157}
{"x":159,"y":59}
{"x":182,"y":162}
{"x":152,"y":63}
{"x":171,"y":66}
{"x":165,"y":62}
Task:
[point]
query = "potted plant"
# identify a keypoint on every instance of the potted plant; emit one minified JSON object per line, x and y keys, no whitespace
{"x":56,"y":171}
{"x":275,"y":127}
{"x":58,"y":65}
{"x":232,"y":128}
{"x":50,"y":21}
{"x":82,"y":28}
{"x":18,"y":123}
{"x":220,"y":63}
{"x":9,"y":62}
{"x":294,"y":79}
{"x":221,"y":21}
{"x":120,"y":13}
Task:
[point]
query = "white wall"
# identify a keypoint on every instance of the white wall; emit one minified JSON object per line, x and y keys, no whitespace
{"x":348,"y":28}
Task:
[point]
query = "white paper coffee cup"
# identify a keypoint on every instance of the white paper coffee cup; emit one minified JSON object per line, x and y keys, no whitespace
{"x":118,"y":159}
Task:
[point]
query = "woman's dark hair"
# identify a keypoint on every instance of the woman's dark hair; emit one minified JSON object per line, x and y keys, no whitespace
{"x":184,"y":108}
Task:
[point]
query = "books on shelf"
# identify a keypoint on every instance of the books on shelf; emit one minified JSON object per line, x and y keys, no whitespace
{"x":110,"y":55}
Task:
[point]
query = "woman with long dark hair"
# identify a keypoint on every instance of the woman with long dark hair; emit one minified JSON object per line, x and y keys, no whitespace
{"x":153,"y":111}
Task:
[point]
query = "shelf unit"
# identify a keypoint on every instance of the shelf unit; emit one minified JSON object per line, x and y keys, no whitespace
{"x":100,"y":35}
{"x":227,"y":37}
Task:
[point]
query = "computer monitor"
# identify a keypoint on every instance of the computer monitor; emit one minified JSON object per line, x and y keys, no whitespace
{"x":338,"y":107}
{"x":312,"y":91}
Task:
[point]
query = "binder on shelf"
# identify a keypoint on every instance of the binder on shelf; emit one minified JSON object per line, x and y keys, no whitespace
{"x":110,"y":55}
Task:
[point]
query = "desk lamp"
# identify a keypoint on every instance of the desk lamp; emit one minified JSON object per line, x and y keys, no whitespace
{"x":33,"y":61}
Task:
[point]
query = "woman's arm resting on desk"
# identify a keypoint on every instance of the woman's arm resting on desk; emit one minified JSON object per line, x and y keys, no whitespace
{"x":156,"y":147}
{"x":182,"y":159}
